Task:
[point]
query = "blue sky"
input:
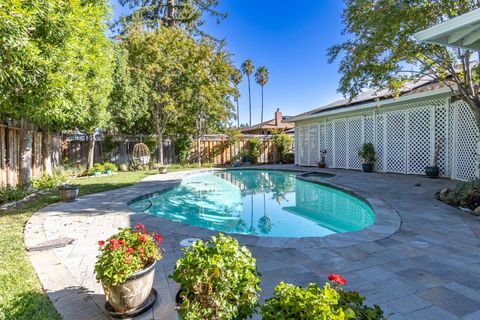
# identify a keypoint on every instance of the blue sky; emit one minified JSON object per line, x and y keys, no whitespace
{"x":291,"y":39}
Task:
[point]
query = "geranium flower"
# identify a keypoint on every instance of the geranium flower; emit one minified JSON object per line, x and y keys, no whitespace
{"x":142,"y":238}
{"x":101,"y":243}
{"x":130,"y":250}
{"x":159,"y":238}
{"x":337,"y":279}
{"x":141,"y":250}
{"x":121,"y":242}
{"x":139,"y":226}
{"x":144,"y":231}
{"x":128,"y":259}
{"x":114,"y":244}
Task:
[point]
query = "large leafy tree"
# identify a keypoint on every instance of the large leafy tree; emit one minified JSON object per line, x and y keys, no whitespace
{"x":186,"y":14}
{"x":248,"y":68}
{"x":381,"y":51}
{"x":55,"y":67}
{"x":261,"y":77}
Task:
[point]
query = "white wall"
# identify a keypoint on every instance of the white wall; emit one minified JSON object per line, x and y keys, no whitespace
{"x":404,"y":137}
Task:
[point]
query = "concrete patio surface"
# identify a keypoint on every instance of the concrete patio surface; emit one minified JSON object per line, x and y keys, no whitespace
{"x":421,"y":260}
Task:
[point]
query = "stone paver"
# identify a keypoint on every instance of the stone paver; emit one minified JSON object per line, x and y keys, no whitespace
{"x":419,"y":261}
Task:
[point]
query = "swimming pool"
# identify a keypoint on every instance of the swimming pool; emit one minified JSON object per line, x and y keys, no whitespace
{"x":259,"y":202}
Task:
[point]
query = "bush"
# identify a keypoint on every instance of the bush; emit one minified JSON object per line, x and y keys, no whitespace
{"x":311,"y":303}
{"x":283,"y":142}
{"x":48,"y":182}
{"x":289,"y":158}
{"x":10,"y":194}
{"x":464,"y":194}
{"x":352,"y":300}
{"x":218,"y":280}
{"x":127,"y":252}
{"x":97,"y":167}
{"x":110,"y":166}
{"x":254,"y":149}
{"x":367,"y":153}
{"x":183,"y":145}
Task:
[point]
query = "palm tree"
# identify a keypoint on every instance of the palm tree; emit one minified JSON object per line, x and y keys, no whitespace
{"x":236,"y":79}
{"x":261,"y":76}
{"x":247,"y":69}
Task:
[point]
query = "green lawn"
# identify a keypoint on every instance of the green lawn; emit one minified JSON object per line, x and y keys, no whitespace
{"x":21,"y":295}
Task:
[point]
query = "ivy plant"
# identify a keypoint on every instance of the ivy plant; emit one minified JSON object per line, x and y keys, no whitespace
{"x":218,"y":280}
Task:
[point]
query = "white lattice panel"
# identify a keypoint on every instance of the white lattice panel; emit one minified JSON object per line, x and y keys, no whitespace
{"x":379,"y":143}
{"x":441,"y":138}
{"x":314,"y":148}
{"x":419,"y":140}
{"x":355,"y":140}
{"x":321,"y":135}
{"x":396,"y":141}
{"x":369,"y":129}
{"x":466,"y":138}
{"x":303,"y":145}
{"x":340,"y":126}
{"x":329,"y":156}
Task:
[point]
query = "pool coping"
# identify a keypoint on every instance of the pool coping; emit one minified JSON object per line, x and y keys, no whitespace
{"x":387,"y":220}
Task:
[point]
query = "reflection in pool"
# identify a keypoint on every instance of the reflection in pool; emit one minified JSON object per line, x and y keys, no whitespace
{"x":259,"y":202}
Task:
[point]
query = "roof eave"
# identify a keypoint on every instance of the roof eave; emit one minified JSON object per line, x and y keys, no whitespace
{"x":442,"y":92}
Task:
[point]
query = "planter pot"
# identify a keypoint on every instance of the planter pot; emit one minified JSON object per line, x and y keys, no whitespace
{"x":432,"y":171}
{"x":367,"y":167}
{"x":97,"y":173}
{"x":133,"y":293}
{"x":162,"y":170}
{"x":321,"y":165}
{"x":68,"y":193}
{"x":109,"y":172}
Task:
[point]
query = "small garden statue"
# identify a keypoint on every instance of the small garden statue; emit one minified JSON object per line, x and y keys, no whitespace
{"x":321,"y":163}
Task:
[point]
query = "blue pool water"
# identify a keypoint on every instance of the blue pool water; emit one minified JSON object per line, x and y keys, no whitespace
{"x":259,"y":202}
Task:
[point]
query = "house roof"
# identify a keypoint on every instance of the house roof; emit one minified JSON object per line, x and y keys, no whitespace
{"x":374,"y":98}
{"x":461,"y":32}
{"x":270,"y":124}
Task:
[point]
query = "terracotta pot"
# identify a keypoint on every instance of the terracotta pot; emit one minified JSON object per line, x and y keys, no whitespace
{"x":68,"y":193}
{"x":133,"y":293}
{"x":162,"y":170}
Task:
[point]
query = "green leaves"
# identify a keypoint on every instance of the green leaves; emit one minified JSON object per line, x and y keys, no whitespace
{"x":218,"y":280}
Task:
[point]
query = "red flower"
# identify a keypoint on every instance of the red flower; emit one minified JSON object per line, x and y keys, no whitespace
{"x":140,"y":250}
{"x":144,"y":231}
{"x":142,"y":238}
{"x":101,"y":243}
{"x":121,"y":242}
{"x":337,"y":279}
{"x":114,"y":244}
{"x":159,"y":238}
{"x":127,"y":259}
{"x":139,"y":226}
{"x":130,"y":250}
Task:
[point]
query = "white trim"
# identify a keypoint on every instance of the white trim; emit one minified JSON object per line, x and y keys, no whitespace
{"x":388,"y":102}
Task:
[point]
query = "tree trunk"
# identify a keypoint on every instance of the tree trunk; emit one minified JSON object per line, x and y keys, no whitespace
{"x":47,"y":140}
{"x":160,"y":146}
{"x":261,"y":120}
{"x":249,"y":102}
{"x":199,"y":151}
{"x":26,"y":145}
{"x":91,"y":150}
{"x":238,"y":114}
{"x":171,"y":13}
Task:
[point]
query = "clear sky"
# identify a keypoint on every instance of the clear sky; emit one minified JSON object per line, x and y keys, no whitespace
{"x":291,"y":39}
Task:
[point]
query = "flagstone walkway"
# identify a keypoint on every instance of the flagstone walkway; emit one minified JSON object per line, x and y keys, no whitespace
{"x":421,"y":260}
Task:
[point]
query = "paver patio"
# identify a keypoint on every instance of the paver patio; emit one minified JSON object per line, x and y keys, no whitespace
{"x":420,"y":262}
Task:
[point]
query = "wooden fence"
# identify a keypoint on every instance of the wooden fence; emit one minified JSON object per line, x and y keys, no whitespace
{"x":10,"y":155}
{"x":213,"y":149}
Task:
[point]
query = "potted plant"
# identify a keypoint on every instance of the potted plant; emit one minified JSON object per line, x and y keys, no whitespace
{"x":68,"y":192}
{"x":97,"y":169}
{"x":109,"y":167}
{"x":162,"y":169}
{"x":367,"y":153}
{"x":321,"y":163}
{"x":218,"y":280}
{"x":126,"y":267}
{"x":433,"y":171}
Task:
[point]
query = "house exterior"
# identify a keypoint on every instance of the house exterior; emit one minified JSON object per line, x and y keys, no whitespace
{"x":267,"y":127}
{"x":404,"y":130}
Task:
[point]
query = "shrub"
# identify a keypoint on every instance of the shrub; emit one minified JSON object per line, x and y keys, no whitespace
{"x":48,"y":182}
{"x":289,"y":158}
{"x":183,"y":145}
{"x":254,"y":149}
{"x":110,"y":166}
{"x":97,"y":167}
{"x":218,"y":280}
{"x":367,"y":153}
{"x":464,"y":194}
{"x":233,"y":136}
{"x":127,"y":252}
{"x":311,"y":303}
{"x":9,"y":194}
{"x":283,"y":142}
{"x":352,"y":300}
